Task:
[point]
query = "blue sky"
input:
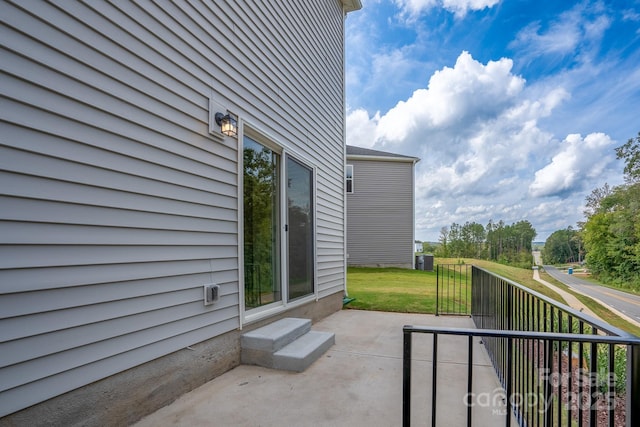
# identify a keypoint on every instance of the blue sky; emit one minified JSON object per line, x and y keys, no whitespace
{"x":514,"y":107}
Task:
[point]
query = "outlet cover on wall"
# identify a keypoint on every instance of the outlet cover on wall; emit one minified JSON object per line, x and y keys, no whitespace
{"x":211,"y":293}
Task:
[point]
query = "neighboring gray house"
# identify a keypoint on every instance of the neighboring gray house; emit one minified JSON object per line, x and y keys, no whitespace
{"x":380,"y":208}
{"x":140,"y":231}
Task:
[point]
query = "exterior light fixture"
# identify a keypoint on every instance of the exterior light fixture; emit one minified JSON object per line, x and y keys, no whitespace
{"x":228,"y":125}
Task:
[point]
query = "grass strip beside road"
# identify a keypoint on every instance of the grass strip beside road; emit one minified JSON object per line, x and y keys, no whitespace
{"x":521,"y":276}
{"x":600,"y":310}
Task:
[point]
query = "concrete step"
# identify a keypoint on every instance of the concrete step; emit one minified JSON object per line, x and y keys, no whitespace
{"x":301,"y":353}
{"x":276,"y":335}
{"x":258,"y":346}
{"x":287,"y":344}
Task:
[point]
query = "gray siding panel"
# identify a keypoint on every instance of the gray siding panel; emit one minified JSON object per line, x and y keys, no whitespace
{"x":73,"y":348}
{"x":42,"y":211}
{"x":35,"y":256}
{"x":37,"y":391}
{"x":90,"y":285}
{"x":116,"y":205}
{"x":380,"y":217}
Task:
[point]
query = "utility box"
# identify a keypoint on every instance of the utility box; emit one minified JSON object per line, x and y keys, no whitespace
{"x":428,"y":262}
{"x":211,"y":293}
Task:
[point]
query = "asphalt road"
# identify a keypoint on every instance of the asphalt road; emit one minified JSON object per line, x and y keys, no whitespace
{"x":626,"y":303}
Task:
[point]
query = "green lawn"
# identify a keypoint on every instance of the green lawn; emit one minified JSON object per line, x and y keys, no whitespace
{"x":392,"y":289}
{"x":519,"y":275}
{"x":414,"y":291}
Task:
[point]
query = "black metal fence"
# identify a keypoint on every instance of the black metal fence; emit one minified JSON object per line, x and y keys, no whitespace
{"x":453,"y":289}
{"x":557,"y":366}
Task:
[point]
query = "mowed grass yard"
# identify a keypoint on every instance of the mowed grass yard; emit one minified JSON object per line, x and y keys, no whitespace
{"x":392,"y":289}
{"x":414,"y":291}
{"x":407,"y":291}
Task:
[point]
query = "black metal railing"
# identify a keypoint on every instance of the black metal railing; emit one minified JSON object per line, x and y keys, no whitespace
{"x":542,"y":405}
{"x":556,"y":365}
{"x":453,"y":289}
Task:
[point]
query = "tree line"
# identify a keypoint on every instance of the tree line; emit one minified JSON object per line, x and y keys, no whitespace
{"x":508,"y":244}
{"x":609,"y":238}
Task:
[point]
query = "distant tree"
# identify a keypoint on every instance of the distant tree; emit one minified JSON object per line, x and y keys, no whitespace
{"x":524,"y":233}
{"x":510,"y":244}
{"x":456,"y":243}
{"x":477,"y":235}
{"x":630,"y":153}
{"x":429,"y":248}
{"x":611,"y":232}
{"x":489,"y":239}
{"x":593,"y":200}
{"x":596,"y":234}
{"x":501,"y":235}
{"x":466,"y":240}
{"x":496,"y":234}
{"x":612,"y":237}
{"x":561,"y":246}
{"x":444,"y":242}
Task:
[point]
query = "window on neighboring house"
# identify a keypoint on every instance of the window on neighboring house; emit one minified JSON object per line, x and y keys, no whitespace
{"x":349,"y":178}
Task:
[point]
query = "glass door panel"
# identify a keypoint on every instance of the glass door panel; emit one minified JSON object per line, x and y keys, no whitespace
{"x":262,"y":284}
{"x":300,"y":229}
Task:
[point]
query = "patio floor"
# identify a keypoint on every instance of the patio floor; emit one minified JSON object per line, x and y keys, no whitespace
{"x":358,"y":382}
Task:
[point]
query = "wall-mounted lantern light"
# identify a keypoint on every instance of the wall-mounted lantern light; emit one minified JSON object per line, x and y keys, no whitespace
{"x":228,"y":125}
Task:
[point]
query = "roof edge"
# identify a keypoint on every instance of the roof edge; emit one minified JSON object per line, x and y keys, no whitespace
{"x":361,"y":153}
{"x":351,"y":5}
{"x":413,"y":160}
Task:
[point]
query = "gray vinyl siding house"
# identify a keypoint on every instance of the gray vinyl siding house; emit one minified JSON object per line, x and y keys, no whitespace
{"x":120,"y":198}
{"x":380,"y":208}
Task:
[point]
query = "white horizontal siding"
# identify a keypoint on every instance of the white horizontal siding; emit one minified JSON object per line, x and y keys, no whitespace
{"x":42,"y":188}
{"x":116,"y":205}
{"x":90,"y":285}
{"x":380,"y":228}
{"x":71,"y":334}
{"x":34,"y":392}
{"x":55,"y":211}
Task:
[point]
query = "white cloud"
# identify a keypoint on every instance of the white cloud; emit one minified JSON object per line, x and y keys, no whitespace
{"x":413,"y":8}
{"x":576,"y":32}
{"x":361,"y":128}
{"x":579,"y":161}
{"x":560,"y":38}
{"x":455,"y":97}
{"x":484,"y":154}
{"x":630,"y":15}
{"x":393,"y":63}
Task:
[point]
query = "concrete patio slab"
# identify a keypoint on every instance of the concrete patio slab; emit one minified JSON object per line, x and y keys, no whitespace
{"x":358,"y":382}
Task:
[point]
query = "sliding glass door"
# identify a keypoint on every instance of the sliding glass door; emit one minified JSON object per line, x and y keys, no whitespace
{"x":278,"y":208}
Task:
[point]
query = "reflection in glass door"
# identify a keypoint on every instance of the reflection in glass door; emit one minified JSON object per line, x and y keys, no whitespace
{"x":300,"y":229}
{"x":262,"y":272}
